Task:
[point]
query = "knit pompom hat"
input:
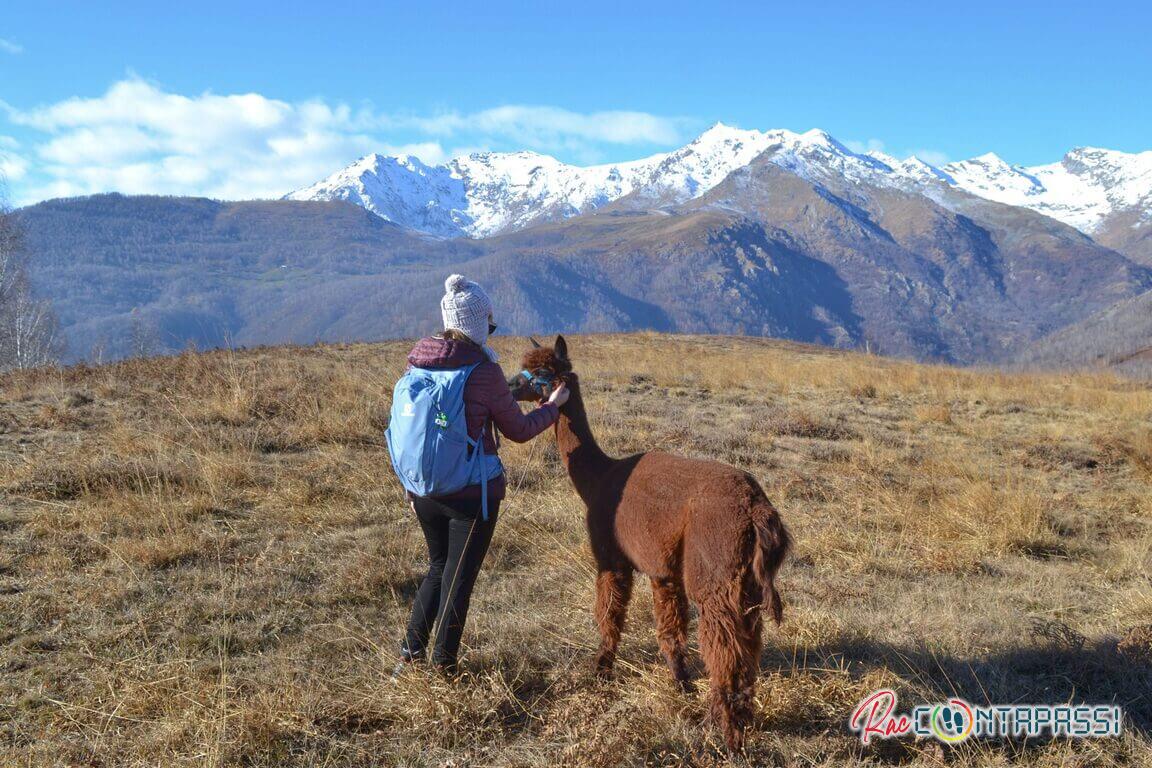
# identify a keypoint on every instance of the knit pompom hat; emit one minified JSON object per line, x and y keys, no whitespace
{"x":466,"y":308}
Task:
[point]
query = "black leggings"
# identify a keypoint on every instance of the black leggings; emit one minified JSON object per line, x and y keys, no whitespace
{"x":458,"y":539}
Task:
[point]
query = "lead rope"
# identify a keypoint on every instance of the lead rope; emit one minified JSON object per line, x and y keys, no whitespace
{"x":471,"y":528}
{"x":483,"y":473}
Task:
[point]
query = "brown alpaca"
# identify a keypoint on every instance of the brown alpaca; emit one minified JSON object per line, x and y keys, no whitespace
{"x":700,"y":530}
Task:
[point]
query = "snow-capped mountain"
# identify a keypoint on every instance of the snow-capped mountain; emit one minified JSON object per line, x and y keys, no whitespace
{"x":1083,"y":189}
{"x":489,"y":193}
{"x":477,"y":195}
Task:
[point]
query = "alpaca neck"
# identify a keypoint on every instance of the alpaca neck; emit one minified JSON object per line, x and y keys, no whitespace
{"x":581,"y":455}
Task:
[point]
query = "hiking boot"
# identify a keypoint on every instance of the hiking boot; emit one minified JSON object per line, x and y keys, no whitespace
{"x":406,"y":662}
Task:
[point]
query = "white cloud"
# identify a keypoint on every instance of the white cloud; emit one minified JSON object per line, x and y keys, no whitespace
{"x":7,"y":46}
{"x":931,"y":156}
{"x":868,"y":145}
{"x":553,"y":126}
{"x":138,"y":138}
{"x":13,"y":167}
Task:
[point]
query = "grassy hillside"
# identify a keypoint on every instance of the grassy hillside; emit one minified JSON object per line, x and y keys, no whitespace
{"x":206,"y":560}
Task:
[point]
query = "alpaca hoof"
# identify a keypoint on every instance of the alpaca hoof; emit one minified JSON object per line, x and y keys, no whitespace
{"x":684,"y":678}
{"x":733,"y":741}
{"x":727,"y":740}
{"x":603,"y":668}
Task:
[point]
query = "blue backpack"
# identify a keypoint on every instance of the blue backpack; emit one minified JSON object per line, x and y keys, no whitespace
{"x":428,"y":435}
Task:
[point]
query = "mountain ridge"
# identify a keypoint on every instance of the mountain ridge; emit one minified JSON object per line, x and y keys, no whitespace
{"x":766,"y":252}
{"x":485,"y":194}
{"x":776,"y":233}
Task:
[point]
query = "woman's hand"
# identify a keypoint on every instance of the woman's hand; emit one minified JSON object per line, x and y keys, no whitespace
{"x":559,"y":395}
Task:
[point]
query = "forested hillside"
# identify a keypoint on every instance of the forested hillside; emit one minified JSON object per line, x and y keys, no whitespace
{"x":767,"y":252}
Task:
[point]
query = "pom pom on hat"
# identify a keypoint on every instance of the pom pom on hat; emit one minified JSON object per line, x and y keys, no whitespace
{"x":455,"y":283}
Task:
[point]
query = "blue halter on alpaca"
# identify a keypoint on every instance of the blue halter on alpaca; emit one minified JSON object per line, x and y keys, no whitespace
{"x":537,"y":382}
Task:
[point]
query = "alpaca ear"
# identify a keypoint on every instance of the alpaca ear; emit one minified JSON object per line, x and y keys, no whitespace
{"x":561,"y":348}
{"x":535,"y":344}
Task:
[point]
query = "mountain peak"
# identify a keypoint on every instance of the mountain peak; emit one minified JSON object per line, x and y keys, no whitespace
{"x":820,"y":136}
{"x":918,"y":168}
{"x":721,"y":132}
{"x":990,"y":159}
{"x":885,"y":158}
{"x":721,"y":126}
{"x":372,"y":160}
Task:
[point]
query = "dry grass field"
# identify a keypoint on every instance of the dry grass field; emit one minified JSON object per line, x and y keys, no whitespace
{"x":205,"y":560}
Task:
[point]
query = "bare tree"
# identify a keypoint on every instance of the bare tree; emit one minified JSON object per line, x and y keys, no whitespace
{"x":145,"y":339}
{"x":11,"y":245}
{"x":29,"y":331}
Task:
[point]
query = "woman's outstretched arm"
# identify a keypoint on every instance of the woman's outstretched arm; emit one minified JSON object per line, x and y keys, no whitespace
{"x":514,"y":424}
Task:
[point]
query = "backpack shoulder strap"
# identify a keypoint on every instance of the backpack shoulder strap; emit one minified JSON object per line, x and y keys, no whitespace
{"x":480,"y":452}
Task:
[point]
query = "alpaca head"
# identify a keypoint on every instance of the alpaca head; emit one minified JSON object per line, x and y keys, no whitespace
{"x":541,"y":369}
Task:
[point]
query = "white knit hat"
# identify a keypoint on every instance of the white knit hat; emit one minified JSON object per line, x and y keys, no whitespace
{"x":466,"y":308}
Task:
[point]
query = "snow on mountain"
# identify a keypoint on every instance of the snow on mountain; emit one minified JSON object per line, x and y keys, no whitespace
{"x":913,"y":169}
{"x":507,"y":191}
{"x":487,"y":193}
{"x":705,"y":162}
{"x":1082,"y":190}
{"x":815,"y":156}
{"x":400,"y":189}
{"x":694,"y":169}
{"x":477,"y":195}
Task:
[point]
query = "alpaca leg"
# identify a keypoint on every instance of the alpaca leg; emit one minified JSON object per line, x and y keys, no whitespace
{"x":753,"y":640}
{"x":613,"y":589}
{"x":752,"y":643}
{"x":671,"y":608}
{"x":722,"y":635}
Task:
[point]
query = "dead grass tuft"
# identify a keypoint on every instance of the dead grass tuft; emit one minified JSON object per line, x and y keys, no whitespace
{"x":102,"y":474}
{"x":1132,"y":446}
{"x":812,"y":427}
{"x":1137,"y":644}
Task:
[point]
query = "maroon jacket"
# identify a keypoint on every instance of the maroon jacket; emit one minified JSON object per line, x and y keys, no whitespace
{"x":487,"y":401}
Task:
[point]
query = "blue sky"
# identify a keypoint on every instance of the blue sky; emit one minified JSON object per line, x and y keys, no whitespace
{"x":253,"y":99}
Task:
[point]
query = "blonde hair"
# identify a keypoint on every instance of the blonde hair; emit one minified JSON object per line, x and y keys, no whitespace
{"x":453,"y":334}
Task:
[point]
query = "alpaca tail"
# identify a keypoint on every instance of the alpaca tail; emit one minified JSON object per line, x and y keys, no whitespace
{"x":771,"y":547}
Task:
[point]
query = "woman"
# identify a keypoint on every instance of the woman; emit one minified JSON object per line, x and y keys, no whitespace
{"x":456,"y":533}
